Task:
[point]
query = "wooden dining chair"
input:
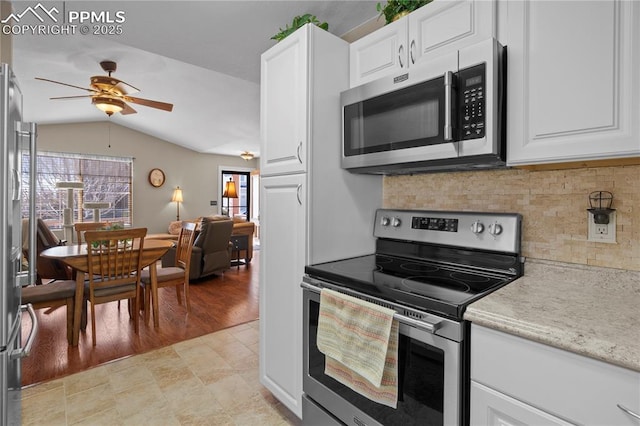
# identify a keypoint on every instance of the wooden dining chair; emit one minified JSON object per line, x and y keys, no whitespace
{"x":173,"y":276}
{"x":115,"y":266}
{"x":53,"y":295}
{"x":82,"y":227}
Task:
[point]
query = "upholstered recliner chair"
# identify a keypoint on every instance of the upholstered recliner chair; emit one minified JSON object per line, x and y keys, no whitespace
{"x":240,"y":227}
{"x":51,"y":269}
{"x":211,"y":253}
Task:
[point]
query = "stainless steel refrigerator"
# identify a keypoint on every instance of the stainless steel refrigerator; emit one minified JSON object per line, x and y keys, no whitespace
{"x":17,"y":181}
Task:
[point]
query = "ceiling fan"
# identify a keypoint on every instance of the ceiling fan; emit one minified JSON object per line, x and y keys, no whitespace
{"x":110,"y":94}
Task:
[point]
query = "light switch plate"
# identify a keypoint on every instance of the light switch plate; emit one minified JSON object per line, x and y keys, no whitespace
{"x":602,"y":233}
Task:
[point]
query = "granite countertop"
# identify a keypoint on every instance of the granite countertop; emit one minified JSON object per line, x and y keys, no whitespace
{"x":587,"y":310}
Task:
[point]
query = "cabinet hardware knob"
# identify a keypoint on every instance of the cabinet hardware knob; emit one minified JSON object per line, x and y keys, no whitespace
{"x":412,"y":47}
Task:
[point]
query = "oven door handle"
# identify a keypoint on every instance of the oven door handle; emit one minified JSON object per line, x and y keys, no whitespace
{"x":429,"y":327}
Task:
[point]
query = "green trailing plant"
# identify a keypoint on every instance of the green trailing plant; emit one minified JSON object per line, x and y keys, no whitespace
{"x":297,"y":22}
{"x":109,"y":227}
{"x":392,"y":8}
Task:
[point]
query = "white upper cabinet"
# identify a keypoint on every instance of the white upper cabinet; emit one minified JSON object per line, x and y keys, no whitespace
{"x":283,"y":106}
{"x":435,"y":29}
{"x":380,"y":53}
{"x":573,"y":81}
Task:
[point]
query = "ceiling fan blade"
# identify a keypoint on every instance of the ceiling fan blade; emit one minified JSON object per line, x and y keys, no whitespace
{"x":66,"y":84}
{"x":128,"y":110}
{"x":126,"y":88}
{"x":111,"y":85}
{"x":73,"y":97}
{"x":146,"y":102}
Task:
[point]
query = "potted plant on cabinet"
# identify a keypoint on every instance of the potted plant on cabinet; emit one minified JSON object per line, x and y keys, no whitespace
{"x":298,"y":22}
{"x":396,"y":9}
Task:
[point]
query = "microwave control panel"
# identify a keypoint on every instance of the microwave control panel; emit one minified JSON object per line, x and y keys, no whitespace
{"x":472,"y":89}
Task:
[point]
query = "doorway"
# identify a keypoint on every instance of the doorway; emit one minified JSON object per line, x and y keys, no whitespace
{"x":236,"y":194}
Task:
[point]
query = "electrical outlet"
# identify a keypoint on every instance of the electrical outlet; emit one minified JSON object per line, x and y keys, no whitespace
{"x":602,"y":229}
{"x":602,"y":233}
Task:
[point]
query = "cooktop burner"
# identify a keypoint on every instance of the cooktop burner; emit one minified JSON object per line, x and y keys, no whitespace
{"x":438,"y":262}
{"x":423,"y":285}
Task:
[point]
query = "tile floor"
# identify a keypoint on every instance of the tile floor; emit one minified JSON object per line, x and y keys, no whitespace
{"x":209,"y":380}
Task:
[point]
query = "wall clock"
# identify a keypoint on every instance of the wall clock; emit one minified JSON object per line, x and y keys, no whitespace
{"x":156,"y":177}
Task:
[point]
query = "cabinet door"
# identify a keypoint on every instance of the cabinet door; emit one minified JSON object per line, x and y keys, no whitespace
{"x":573,"y":83}
{"x":282,"y":260}
{"x":492,"y":408}
{"x":580,"y":389}
{"x":284,"y":106}
{"x":381,"y":53}
{"x":444,"y":26}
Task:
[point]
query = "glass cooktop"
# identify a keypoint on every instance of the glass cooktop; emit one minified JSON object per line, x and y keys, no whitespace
{"x":438,"y":288}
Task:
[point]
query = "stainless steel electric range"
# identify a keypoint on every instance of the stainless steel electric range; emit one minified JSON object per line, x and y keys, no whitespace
{"x":428,"y":266}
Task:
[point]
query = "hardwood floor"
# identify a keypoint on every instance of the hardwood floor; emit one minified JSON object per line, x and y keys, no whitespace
{"x":216,"y":303}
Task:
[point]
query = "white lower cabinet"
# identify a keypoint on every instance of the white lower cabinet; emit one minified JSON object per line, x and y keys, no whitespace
{"x":515,"y":381}
{"x":490,"y":407}
{"x":282,"y":260}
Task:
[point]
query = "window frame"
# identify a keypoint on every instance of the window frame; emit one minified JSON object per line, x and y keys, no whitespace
{"x":108,"y":172}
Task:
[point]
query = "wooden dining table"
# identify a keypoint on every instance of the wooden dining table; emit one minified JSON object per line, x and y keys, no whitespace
{"x":75,"y":255}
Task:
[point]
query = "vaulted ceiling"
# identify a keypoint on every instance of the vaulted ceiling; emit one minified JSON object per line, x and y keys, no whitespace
{"x":201,"y":56}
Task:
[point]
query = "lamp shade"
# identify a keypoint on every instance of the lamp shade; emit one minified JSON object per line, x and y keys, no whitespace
{"x":107,"y":104}
{"x":230,"y":190}
{"x":177,"y":195}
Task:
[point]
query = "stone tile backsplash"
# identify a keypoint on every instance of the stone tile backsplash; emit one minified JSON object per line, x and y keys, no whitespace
{"x":553,"y":204}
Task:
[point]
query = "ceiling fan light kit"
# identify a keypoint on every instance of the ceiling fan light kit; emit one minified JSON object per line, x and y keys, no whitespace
{"x":246,"y":156}
{"x":108,"y":105}
{"x":111,"y":95}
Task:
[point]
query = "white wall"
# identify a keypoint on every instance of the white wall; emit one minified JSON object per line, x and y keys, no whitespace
{"x":196,"y":173}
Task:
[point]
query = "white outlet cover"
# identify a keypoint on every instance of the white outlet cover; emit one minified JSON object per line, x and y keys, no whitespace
{"x":594,"y":235}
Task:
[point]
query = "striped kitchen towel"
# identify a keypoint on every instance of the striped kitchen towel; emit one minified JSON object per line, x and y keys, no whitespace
{"x":360,"y":342}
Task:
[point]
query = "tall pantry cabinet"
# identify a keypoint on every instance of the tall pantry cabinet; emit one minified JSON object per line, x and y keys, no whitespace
{"x":311,"y":210}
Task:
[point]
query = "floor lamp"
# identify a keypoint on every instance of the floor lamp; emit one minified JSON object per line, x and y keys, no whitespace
{"x":229,"y":192}
{"x":67,"y":213}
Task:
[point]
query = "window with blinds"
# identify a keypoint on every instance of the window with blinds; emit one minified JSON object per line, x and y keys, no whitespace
{"x":104,"y":179}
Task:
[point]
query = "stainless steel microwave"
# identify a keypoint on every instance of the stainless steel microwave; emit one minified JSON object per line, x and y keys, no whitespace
{"x":445,"y":114}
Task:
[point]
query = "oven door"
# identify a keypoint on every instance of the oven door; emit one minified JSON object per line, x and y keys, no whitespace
{"x":429,"y":379}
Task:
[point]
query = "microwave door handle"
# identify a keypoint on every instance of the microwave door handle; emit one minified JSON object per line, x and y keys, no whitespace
{"x":400,"y":53}
{"x":448,"y":95}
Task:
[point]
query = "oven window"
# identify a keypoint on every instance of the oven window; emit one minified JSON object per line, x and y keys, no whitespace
{"x":420,"y":381}
{"x":406,"y":118}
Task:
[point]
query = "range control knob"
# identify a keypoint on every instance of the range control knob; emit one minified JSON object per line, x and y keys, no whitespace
{"x":395,"y":222}
{"x":384,"y":221}
{"x":495,"y":229}
{"x":477,"y":227}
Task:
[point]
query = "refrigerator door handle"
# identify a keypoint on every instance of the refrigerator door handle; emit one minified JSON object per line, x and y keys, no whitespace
{"x":16,"y":185}
{"x":30,"y":130}
{"x":26,"y":350}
